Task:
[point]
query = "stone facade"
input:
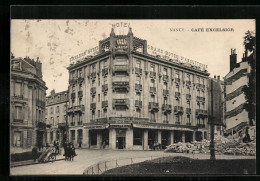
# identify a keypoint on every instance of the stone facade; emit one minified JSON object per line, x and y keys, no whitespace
{"x":129,"y":99}
{"x":27,"y":106}
{"x":55,"y":116}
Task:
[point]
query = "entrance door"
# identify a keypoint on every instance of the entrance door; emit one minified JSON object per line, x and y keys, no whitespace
{"x":165,"y":139}
{"x":151,"y":138}
{"x":17,"y":138}
{"x":40,"y":139}
{"x":120,"y":139}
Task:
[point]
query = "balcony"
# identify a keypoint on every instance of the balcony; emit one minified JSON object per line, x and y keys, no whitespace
{"x":153,"y":90}
{"x":73,"y":81}
{"x":79,"y":123}
{"x":177,"y":81}
{"x":73,"y":95}
{"x":92,"y":75}
{"x":79,"y":108}
{"x":178,"y":122}
{"x":165,"y":122}
{"x":188,"y":110}
{"x":120,"y":103}
{"x":188,"y":124}
{"x":153,"y":120}
{"x":165,"y":78}
{"x":104,"y":104}
{"x":188,"y":97}
{"x":138,"y":71}
{"x":120,"y":86}
{"x":105,"y":88}
{"x":72,"y":123}
{"x":201,"y":125}
{"x":188,"y":83}
{"x":177,"y":95}
{"x":138,"y":87}
{"x":200,"y":99}
{"x":80,"y":79}
{"x":178,"y":110}
{"x":138,"y":104}
{"x":104,"y":72}
{"x":92,"y":106}
{"x":152,"y":75}
{"x":199,"y":113}
{"x":165,"y":93}
{"x":167,"y":108}
{"x":121,"y":69}
{"x":93,"y":90}
{"x":153,"y":106}
{"x":80,"y":93}
{"x":40,"y":103}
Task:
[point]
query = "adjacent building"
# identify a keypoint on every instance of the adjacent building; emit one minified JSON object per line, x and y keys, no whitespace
{"x":216,"y":103}
{"x":27,"y":103}
{"x":236,"y":116}
{"x":125,"y":98}
{"x":55,"y":116}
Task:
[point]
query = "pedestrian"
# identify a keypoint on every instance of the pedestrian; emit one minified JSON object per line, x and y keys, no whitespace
{"x":80,"y":144}
{"x":34,"y":153}
{"x":104,"y":144}
{"x":65,"y":151}
{"x":57,"y":148}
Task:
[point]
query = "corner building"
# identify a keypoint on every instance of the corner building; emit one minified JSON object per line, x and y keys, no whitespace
{"x":27,"y":103}
{"x":129,"y":99}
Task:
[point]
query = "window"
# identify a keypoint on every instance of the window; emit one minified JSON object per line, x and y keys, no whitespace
{"x":165,"y":100}
{"x":17,"y":139}
{"x":58,"y":119}
{"x":198,"y":80}
{"x":72,"y":135}
{"x":94,"y":68}
{"x":202,"y":80}
{"x":93,"y":115}
{"x":57,"y":109}
{"x":64,"y":118}
{"x":80,"y":87}
{"x":177,"y":118}
{"x":80,"y":72}
{"x":188,"y":118}
{"x":98,"y":81}
{"x":138,"y":64}
{"x":177,"y":74}
{"x":165,"y":115}
{"x":18,"y":113}
{"x":105,"y":63}
{"x":152,"y":115}
{"x":98,"y":113}
{"x":137,"y":137}
{"x":188,"y":77}
{"x":98,"y":97}
{"x":93,"y":137}
{"x":164,"y":71}
{"x":51,"y":110}
{"x":52,"y":121}
{"x":80,"y":100}
{"x":16,"y":65}
{"x":152,"y":68}
{"x":18,"y":89}
{"x":51,"y":135}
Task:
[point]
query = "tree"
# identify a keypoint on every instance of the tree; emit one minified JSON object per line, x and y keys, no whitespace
{"x":250,"y":89}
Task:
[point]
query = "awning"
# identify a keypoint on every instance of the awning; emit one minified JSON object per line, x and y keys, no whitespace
{"x":161,"y":127}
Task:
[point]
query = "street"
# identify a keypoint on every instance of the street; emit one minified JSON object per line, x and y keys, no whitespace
{"x":88,"y":157}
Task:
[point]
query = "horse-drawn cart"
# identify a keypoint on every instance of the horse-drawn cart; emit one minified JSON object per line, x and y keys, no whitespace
{"x":48,"y":155}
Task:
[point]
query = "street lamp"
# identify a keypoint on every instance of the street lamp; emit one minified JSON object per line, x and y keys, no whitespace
{"x":66,"y":105}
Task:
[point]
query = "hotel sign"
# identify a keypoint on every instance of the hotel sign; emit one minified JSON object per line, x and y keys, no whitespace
{"x":174,"y":57}
{"x":119,"y":125}
{"x":103,"y":126}
{"x":88,"y":52}
{"x":160,"y":127}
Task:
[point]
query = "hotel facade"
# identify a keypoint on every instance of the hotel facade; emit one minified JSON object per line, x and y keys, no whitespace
{"x":125,"y":98}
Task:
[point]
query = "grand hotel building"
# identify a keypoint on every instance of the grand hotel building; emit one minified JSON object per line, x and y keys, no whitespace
{"x":125,"y":98}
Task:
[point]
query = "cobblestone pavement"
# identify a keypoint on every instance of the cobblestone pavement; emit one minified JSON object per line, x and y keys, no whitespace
{"x":88,"y":157}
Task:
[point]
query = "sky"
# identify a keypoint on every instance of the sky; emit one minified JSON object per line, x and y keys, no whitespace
{"x":56,"y":41}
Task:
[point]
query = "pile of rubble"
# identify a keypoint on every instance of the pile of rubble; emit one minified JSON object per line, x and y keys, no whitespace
{"x":222,"y":146}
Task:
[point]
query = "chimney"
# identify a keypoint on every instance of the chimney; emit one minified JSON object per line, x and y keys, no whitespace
{"x":233,"y":59}
{"x":214,"y":76}
{"x":130,"y":32}
{"x":218,"y":77}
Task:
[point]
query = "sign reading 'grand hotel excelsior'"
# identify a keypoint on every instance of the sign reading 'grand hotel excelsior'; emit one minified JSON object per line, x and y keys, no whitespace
{"x":131,"y":99}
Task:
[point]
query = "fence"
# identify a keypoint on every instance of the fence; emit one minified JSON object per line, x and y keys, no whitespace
{"x":103,"y":166}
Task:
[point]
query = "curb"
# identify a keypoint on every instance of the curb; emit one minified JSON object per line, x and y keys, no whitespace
{"x":34,"y":163}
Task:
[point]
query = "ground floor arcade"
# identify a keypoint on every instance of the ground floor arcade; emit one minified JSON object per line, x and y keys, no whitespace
{"x":132,"y":138}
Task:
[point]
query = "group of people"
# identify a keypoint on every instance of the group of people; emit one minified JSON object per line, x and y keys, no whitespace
{"x":69,"y":151}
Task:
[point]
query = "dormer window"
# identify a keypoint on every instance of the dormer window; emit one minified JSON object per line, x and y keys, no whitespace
{"x":16,"y":65}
